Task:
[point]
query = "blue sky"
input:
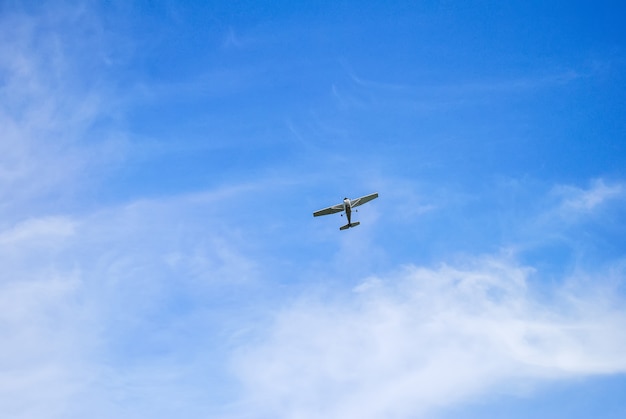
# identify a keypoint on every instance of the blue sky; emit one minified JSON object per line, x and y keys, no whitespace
{"x":160,"y":163}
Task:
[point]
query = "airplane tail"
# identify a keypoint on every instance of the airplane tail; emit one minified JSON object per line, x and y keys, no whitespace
{"x":347,"y":226}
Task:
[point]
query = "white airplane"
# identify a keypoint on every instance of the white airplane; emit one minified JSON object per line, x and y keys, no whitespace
{"x":346,"y":206}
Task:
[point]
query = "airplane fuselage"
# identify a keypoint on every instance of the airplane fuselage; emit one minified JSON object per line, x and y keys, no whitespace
{"x":347,"y":207}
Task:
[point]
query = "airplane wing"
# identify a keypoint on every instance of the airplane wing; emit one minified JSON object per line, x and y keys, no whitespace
{"x":329,"y":210}
{"x":362,"y":200}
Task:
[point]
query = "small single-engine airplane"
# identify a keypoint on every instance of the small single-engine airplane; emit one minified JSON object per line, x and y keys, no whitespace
{"x":346,"y":206}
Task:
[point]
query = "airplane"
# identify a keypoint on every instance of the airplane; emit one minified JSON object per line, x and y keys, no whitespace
{"x":347,"y":206}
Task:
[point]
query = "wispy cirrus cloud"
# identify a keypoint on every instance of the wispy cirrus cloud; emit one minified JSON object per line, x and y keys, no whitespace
{"x":576,"y":200}
{"x":412,"y":342}
{"x":121,"y":307}
{"x":100,"y":304}
{"x":359,"y":93}
{"x":52,"y":112}
{"x":585,"y":220}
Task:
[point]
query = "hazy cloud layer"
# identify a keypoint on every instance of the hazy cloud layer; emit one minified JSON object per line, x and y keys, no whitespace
{"x":119,"y":308}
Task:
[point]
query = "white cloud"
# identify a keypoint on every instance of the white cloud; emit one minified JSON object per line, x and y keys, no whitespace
{"x":578,"y":200}
{"x":404,"y":345}
{"x":116,"y":311}
{"x":120,"y":310}
{"x":44,"y":327}
{"x":48,"y":227}
{"x":49,"y":106}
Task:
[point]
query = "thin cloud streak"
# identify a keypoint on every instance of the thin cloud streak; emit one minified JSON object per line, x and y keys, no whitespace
{"x":578,"y":200}
{"x":362,"y":94}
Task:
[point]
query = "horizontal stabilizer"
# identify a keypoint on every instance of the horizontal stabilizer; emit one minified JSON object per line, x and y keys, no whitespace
{"x":347,"y":226}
